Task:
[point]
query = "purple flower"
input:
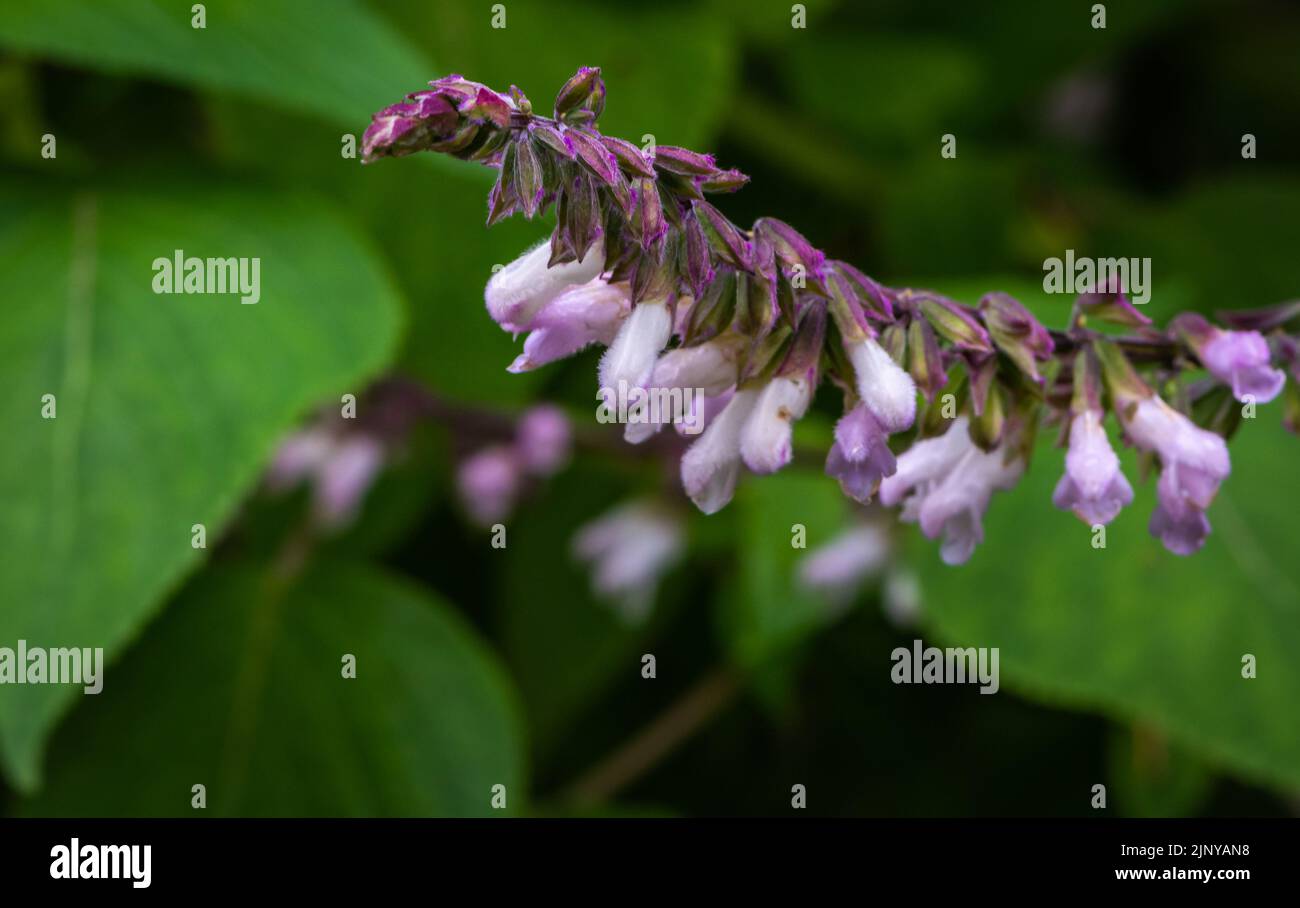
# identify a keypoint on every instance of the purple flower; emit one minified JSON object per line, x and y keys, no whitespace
{"x":343,"y":479}
{"x":1093,"y":486}
{"x":1193,"y":463}
{"x":340,"y":468}
{"x":488,"y":482}
{"x":860,"y":457}
{"x":884,"y":386}
{"x":520,"y":290}
{"x":298,"y":457}
{"x":544,"y":440}
{"x":1178,"y":521}
{"x":629,"y":549}
{"x":1240,"y":359}
{"x":947,"y":483}
{"x":590,"y":313}
{"x":841,"y":566}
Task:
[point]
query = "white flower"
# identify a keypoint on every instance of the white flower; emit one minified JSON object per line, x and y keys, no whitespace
{"x":765,"y":439}
{"x":519,"y":291}
{"x":629,"y":549}
{"x":884,"y":386}
{"x":708,"y":370}
{"x":711,"y":465}
{"x":641,"y":337}
{"x":948,"y":483}
{"x":841,"y":566}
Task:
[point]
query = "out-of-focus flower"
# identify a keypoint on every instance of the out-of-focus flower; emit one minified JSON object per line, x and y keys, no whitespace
{"x":544,"y":440}
{"x":840,"y":567}
{"x":628,"y":550}
{"x":340,"y":467}
{"x":901,"y":597}
{"x":343,"y":479}
{"x":947,"y":483}
{"x":489,"y":482}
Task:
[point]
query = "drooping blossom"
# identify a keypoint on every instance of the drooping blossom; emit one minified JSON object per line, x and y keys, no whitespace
{"x":517,"y":293}
{"x":630,"y":358}
{"x":582,"y":315}
{"x":860,"y":456}
{"x":1193,"y":462}
{"x":884,"y":386}
{"x":628,"y":550}
{"x":945,"y":485}
{"x":708,"y":369}
{"x":1093,"y":486}
{"x":711,"y":465}
{"x":642,"y":262}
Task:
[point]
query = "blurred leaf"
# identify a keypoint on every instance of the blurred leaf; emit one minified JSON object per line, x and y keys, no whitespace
{"x":1151,"y":778}
{"x":1231,"y":243}
{"x":563,"y":644}
{"x":914,"y":90}
{"x":167,"y":406}
{"x":668,"y":69}
{"x":769,"y":612}
{"x":336,"y":60}
{"x":239,"y":687}
{"x":1135,"y":631}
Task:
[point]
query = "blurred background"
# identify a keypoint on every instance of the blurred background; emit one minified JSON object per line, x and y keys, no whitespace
{"x":479,"y":666}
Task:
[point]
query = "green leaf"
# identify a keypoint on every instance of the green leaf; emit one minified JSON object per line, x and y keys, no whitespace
{"x":168,"y":406}
{"x":240,"y":687}
{"x":337,"y":60}
{"x":769,"y":613}
{"x":563,"y":644}
{"x":1136,"y":632}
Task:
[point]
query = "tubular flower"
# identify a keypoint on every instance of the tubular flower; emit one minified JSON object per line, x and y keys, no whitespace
{"x":751,"y":320}
{"x":1093,"y":487}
